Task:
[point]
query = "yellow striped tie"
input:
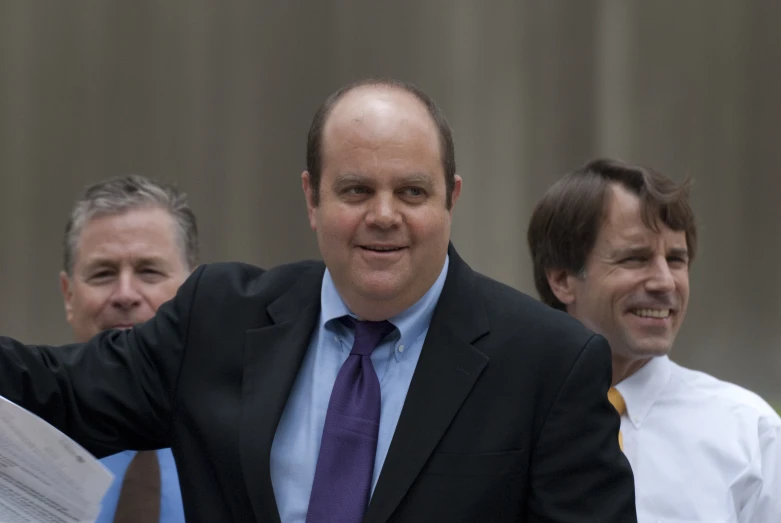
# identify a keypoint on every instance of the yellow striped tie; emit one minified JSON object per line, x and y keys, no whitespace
{"x":620,"y":405}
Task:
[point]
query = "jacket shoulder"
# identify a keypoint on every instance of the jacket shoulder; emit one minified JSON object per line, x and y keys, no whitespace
{"x":243,"y":279}
{"x":509,"y":308}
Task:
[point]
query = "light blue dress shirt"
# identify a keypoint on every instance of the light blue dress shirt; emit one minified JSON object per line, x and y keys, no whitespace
{"x":297,"y":440}
{"x":171,"y":510}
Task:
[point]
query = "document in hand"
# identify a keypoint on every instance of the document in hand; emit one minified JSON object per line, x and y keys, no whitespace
{"x":45,"y":477}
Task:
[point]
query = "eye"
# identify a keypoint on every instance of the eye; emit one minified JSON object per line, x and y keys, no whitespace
{"x":356,"y":190}
{"x":680,"y":261}
{"x":414,"y":192}
{"x":101,"y":275}
{"x":151,"y":274}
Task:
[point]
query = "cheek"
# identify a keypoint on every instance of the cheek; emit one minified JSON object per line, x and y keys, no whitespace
{"x":600,"y":303}
{"x":156,"y":295}
{"x":683,"y":293}
{"x":618,"y":286}
{"x":431,"y":226}
{"x":338,"y":224}
{"x":682,"y":285}
{"x":89,"y":303}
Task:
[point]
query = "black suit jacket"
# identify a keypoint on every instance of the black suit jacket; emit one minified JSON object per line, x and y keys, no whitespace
{"x":506,"y":418}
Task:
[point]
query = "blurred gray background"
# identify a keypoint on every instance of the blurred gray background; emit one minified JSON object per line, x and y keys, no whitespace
{"x":218,"y":96}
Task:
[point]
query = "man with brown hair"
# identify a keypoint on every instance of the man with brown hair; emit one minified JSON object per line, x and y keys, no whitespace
{"x":612,"y":244}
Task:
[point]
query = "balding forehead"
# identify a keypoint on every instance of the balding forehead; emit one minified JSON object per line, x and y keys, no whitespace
{"x":383,"y":108}
{"x":378,"y":97}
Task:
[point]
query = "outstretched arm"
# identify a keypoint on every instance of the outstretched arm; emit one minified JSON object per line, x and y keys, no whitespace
{"x":112,"y":393}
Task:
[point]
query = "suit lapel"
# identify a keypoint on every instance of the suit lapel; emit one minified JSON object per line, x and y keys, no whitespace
{"x":272,"y":358}
{"x":446,"y":372}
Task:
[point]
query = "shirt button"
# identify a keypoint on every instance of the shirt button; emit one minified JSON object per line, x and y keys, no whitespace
{"x":401,"y":348}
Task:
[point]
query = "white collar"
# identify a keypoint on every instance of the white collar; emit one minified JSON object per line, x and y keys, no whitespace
{"x":641,"y":390}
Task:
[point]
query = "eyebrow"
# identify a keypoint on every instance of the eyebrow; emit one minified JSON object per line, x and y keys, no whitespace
{"x":106,"y":262}
{"x":631,"y":251}
{"x":416,"y":178}
{"x":350,"y":178}
{"x":678,"y":251}
{"x":645,"y":251}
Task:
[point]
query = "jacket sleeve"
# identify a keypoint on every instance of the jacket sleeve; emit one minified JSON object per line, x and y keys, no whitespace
{"x":113,"y":393}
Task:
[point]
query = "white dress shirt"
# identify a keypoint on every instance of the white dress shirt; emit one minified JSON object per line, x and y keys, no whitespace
{"x":702,"y":450}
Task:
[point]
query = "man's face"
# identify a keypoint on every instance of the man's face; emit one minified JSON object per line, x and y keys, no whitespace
{"x":382,"y":223}
{"x":125,"y":266}
{"x":636,"y":286}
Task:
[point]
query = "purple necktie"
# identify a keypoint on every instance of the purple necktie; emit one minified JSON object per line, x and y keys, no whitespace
{"x":343,"y":477}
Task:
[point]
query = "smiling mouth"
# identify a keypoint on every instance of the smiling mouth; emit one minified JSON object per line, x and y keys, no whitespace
{"x":121,"y":326}
{"x":652,"y":313}
{"x":380,"y":249}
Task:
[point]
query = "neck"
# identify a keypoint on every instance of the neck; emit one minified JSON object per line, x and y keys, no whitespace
{"x":624,"y":367}
{"x":377,"y":310}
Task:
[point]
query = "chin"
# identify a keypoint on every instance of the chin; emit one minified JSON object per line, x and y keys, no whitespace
{"x":380,"y":286}
{"x":651,"y":350}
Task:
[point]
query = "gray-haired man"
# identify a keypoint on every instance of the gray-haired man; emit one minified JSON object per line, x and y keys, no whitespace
{"x":129,"y":244}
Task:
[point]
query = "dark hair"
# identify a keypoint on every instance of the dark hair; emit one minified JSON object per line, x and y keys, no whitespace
{"x":119,"y":195}
{"x":314,"y":142}
{"x":565,"y":223}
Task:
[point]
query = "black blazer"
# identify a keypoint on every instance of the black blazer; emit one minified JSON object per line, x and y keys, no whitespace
{"x":506,"y":419}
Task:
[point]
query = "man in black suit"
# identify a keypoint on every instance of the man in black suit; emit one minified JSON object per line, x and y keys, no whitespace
{"x":390,"y":383}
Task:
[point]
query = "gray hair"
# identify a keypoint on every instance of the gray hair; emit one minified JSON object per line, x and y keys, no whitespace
{"x":119,"y":195}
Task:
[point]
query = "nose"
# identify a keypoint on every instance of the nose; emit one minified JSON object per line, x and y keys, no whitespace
{"x":661,"y":278}
{"x":383,"y":212}
{"x":125,"y":295}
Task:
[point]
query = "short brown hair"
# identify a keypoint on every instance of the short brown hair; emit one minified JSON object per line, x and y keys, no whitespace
{"x":314,"y":143}
{"x":565,"y":223}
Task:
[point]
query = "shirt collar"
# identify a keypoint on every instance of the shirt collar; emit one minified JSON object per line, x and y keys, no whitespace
{"x":410,"y":323}
{"x":641,"y":390}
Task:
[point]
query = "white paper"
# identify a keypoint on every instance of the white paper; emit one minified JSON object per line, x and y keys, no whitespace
{"x":45,"y":477}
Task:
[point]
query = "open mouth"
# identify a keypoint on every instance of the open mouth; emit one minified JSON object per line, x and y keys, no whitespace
{"x":652,"y":313}
{"x":121,"y":326}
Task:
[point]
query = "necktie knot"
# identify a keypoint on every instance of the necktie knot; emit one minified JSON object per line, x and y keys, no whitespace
{"x":617,"y":400}
{"x":368,"y":334}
